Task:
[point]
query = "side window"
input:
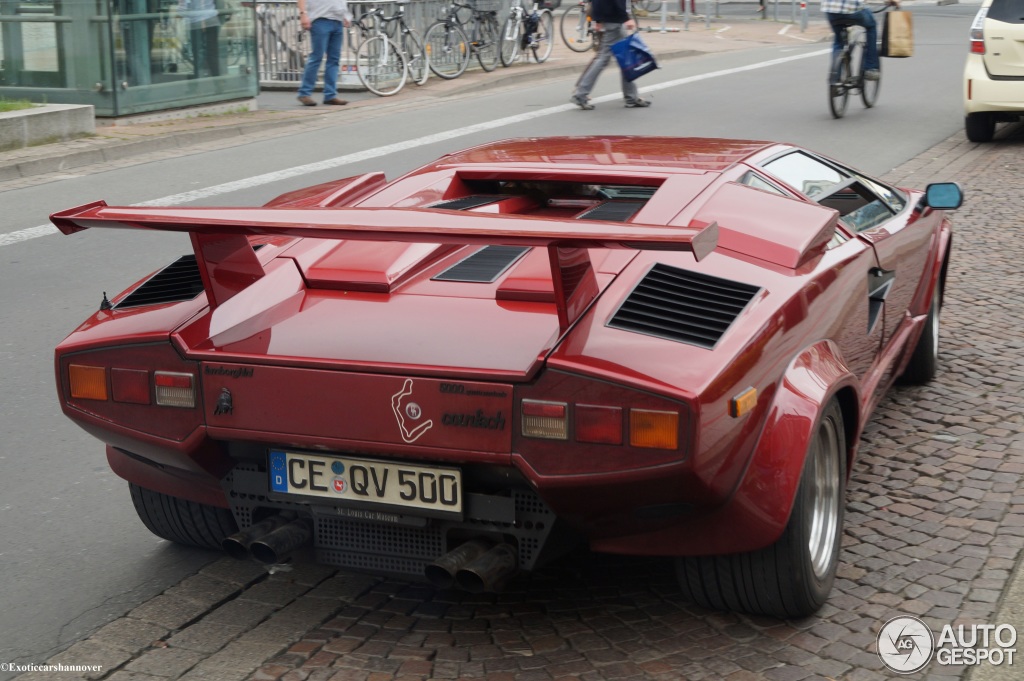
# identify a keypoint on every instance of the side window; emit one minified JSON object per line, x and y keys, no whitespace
{"x":806,"y":174}
{"x":859,"y":208}
{"x":752,"y":179}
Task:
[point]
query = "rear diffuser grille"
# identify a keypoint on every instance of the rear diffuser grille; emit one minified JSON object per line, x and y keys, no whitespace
{"x":683,"y":306}
{"x":484,"y":266}
{"x":175,"y":283}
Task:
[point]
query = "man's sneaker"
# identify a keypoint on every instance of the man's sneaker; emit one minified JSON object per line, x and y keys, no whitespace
{"x":638,"y":104}
{"x":307,"y":101}
{"x":582,"y":102}
{"x":872,"y":74}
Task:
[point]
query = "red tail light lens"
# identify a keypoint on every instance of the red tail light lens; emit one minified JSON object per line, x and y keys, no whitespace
{"x":130,"y":385}
{"x":599,"y":425}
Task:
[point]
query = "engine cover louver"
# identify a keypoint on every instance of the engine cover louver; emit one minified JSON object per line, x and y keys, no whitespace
{"x":683,"y":306}
{"x":612,"y":211}
{"x":467,"y":202}
{"x":177,"y":282}
{"x":484,"y":266}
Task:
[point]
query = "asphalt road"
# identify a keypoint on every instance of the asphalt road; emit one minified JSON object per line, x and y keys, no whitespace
{"x":73,"y":553}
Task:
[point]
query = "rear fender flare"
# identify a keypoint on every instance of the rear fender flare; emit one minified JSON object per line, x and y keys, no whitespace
{"x":764,"y":499}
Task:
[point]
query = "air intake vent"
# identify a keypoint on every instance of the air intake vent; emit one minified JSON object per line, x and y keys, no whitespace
{"x":484,"y":266}
{"x":177,"y":282}
{"x":683,"y":306}
{"x":612,"y":211}
{"x":467,"y":202}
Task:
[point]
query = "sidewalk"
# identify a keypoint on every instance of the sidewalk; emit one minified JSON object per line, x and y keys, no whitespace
{"x":277,"y":112}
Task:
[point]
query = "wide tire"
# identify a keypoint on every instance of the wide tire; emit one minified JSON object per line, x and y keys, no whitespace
{"x":924,"y":363}
{"x":181,"y":521}
{"x":793,"y":577}
{"x":980,"y":127}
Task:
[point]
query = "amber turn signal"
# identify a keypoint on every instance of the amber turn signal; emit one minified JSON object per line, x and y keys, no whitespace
{"x":743,"y":403}
{"x":88,"y":383}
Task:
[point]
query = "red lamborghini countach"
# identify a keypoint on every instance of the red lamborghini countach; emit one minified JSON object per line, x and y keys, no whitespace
{"x":649,"y":346}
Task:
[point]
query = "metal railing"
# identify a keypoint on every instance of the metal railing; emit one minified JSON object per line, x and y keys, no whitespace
{"x":284,"y":46}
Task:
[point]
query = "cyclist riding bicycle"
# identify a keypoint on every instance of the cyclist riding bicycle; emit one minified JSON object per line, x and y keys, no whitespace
{"x":844,"y":13}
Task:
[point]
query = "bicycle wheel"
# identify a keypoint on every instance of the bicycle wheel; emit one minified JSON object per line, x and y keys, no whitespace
{"x":542,"y":40}
{"x":510,"y":40}
{"x":869,"y":88}
{"x":415,"y":57}
{"x":839,"y":89}
{"x":380,"y":66}
{"x":447,"y":50}
{"x":575,"y":29}
{"x":487,"y":42}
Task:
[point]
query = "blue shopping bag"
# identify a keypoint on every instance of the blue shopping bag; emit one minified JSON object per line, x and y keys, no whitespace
{"x":634,"y":57}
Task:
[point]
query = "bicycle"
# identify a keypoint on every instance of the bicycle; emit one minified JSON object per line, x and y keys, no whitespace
{"x":403,"y":35}
{"x":577,"y":28}
{"x":380,"y":65}
{"x":846,"y":71}
{"x":524,"y":31}
{"x":449,"y":48}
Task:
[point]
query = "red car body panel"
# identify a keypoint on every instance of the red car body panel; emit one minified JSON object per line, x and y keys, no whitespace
{"x":324,"y":336}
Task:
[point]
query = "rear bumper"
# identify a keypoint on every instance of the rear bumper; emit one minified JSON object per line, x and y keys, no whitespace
{"x":983,"y":94}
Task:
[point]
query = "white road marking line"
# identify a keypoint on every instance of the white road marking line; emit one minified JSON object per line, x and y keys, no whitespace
{"x":785,"y":29}
{"x":388,"y":149}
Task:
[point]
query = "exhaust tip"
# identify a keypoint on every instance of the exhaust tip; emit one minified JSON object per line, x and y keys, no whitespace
{"x":441,"y":573}
{"x":489,"y":572}
{"x":236,"y":547}
{"x":278,"y":545}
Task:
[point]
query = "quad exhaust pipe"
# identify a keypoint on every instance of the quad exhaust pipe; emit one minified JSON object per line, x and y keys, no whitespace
{"x":475,"y":566}
{"x":270,"y":541}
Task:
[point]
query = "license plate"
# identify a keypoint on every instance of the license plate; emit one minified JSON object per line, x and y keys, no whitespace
{"x":377,"y":483}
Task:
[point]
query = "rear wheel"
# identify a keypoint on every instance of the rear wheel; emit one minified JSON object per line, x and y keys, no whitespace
{"x":447,"y":50}
{"x":838,"y":89}
{"x":510,"y":40}
{"x":869,"y":90}
{"x":181,"y":521}
{"x":487,"y":44}
{"x":575,"y":29}
{"x":543,"y":39}
{"x":793,"y":577}
{"x":980,"y":127}
{"x":380,"y":66}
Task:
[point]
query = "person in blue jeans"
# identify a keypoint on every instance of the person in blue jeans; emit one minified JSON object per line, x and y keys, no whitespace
{"x":843,"y":13}
{"x":326,"y":21}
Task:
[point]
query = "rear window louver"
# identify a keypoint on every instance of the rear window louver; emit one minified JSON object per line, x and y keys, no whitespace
{"x":467,"y":202}
{"x":612,"y":211}
{"x":177,"y":282}
{"x":484,"y":266}
{"x":683,"y":306}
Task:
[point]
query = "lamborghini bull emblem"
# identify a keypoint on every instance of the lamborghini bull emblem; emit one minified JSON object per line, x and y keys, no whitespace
{"x":408,"y":413}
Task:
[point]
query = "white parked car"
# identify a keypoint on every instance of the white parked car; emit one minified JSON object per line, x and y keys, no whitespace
{"x":994,"y":75}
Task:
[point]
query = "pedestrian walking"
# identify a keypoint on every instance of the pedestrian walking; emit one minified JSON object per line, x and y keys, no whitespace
{"x":613,"y":21}
{"x":326,"y":21}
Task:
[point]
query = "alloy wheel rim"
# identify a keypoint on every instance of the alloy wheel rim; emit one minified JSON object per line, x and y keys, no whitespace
{"x":824,"y":516}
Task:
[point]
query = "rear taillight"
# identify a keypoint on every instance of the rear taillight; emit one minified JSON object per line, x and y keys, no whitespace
{"x":600,"y":424}
{"x":174,"y":389}
{"x":132,"y":386}
{"x":978,"y":32}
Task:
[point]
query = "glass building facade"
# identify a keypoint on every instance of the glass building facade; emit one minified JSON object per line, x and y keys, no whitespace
{"x":128,"y":56}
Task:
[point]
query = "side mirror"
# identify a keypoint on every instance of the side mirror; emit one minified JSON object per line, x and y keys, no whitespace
{"x":944,"y":196}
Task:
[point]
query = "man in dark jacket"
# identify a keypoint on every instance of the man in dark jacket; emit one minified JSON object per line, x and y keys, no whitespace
{"x":613,"y":22}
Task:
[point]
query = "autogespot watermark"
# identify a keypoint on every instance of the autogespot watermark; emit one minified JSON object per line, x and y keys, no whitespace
{"x":18,"y":667}
{"x":906,"y":644}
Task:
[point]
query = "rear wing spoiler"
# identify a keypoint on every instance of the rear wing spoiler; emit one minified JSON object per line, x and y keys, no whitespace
{"x":228,"y":264}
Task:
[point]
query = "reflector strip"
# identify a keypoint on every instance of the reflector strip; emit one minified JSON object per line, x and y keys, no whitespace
{"x":654,"y":429}
{"x":87,"y":383}
{"x":742,"y":403}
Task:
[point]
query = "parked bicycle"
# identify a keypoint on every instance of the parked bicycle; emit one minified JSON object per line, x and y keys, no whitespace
{"x":522,"y":32}
{"x":379,"y":62}
{"x":846,"y":71}
{"x":450,"y":46}
{"x":409,"y":41}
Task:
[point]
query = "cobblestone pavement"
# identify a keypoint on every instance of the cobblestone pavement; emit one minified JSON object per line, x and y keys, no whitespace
{"x":934,"y":528}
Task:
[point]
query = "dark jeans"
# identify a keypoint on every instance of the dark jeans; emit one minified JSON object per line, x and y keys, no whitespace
{"x":862,"y":18}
